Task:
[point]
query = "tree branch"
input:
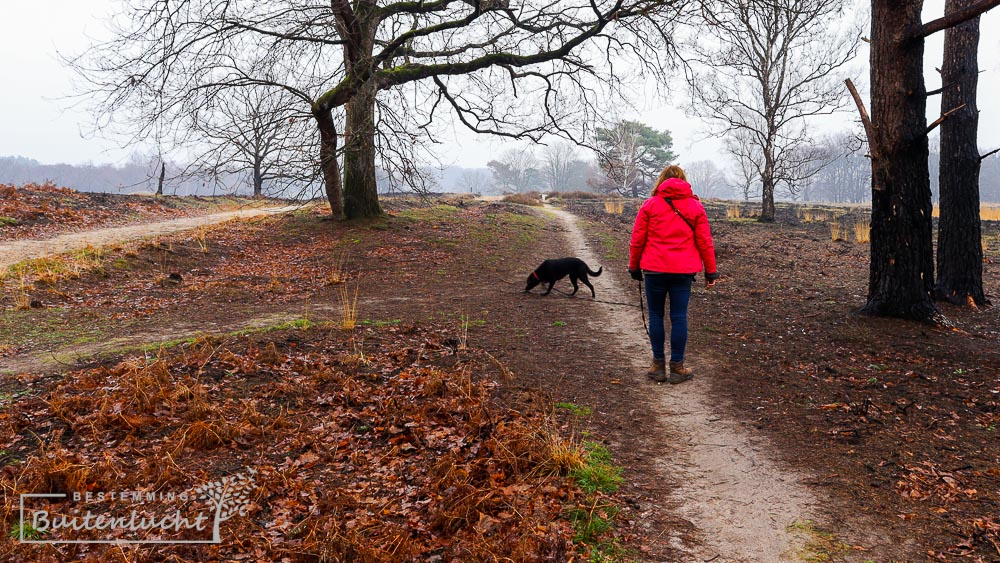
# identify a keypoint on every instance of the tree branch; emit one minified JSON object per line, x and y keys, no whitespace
{"x":941,"y":119}
{"x":942,"y":89}
{"x":955,"y":18}
{"x":989,"y":154}
{"x":865,"y":119}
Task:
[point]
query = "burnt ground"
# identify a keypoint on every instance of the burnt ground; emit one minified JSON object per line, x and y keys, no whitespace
{"x":900,"y":419}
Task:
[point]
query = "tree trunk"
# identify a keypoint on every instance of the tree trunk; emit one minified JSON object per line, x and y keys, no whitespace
{"x":767,"y":187}
{"x":767,"y":201}
{"x":163,"y":174}
{"x":360,"y":187}
{"x":328,"y":161}
{"x":258,"y":181}
{"x":901,"y":274}
{"x":960,"y":252}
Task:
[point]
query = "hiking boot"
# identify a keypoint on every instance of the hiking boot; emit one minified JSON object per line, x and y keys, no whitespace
{"x":658,"y":372}
{"x":679,"y":373}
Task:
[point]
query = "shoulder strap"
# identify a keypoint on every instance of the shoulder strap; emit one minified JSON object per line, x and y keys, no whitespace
{"x":679,"y":214}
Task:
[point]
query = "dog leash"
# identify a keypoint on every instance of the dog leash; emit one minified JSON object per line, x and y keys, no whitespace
{"x":643,"y":310}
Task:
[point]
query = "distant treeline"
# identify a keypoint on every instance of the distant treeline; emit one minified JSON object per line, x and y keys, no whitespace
{"x":846,"y":179}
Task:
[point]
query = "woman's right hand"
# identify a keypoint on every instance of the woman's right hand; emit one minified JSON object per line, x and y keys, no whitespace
{"x":711,"y":280}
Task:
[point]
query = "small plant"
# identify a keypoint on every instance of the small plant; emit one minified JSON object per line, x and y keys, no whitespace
{"x":201,"y":237}
{"x":348,"y":307}
{"x":559,"y":323}
{"x":862,"y":231}
{"x":592,"y":522}
{"x":25,"y":531}
{"x":337,"y":275}
{"x":837,"y":232}
{"x":597,"y":472}
{"x":22,"y":300}
{"x":575,"y":409}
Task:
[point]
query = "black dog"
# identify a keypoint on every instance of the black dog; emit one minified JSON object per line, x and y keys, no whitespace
{"x":553,"y":270}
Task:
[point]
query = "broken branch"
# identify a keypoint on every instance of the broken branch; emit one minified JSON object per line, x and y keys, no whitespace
{"x":865,"y":119}
{"x":941,"y":119}
{"x":989,"y":154}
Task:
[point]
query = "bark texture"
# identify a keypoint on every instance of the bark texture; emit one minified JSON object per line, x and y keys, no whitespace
{"x":960,"y":252}
{"x":901,"y":275}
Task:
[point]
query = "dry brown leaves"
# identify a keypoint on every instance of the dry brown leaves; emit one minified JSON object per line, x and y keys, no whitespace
{"x":382,"y":446}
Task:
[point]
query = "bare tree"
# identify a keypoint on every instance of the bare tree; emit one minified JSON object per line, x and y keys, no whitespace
{"x":561,"y":167}
{"x":258,"y":135}
{"x":758,"y":71}
{"x":521,"y":71}
{"x":476,"y":181}
{"x":516,"y":170}
{"x":847,"y":178}
{"x":901,"y":274}
{"x":708,"y":180}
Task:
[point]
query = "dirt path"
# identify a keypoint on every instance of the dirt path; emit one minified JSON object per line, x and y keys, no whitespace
{"x":742,"y":503}
{"x":16,"y":251}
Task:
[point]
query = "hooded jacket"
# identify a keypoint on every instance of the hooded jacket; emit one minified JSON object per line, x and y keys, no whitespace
{"x":663,"y":242}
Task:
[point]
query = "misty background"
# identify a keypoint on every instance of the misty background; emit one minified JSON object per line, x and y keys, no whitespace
{"x":47,"y":135}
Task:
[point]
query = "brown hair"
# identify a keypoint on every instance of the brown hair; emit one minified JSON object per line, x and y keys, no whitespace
{"x":672,"y":171}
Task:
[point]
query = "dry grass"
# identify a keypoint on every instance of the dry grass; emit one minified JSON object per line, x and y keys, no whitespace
{"x":576,"y":195}
{"x":614,"y":206}
{"x":810,"y":216}
{"x":348,"y":307}
{"x":337,"y":275}
{"x":986,"y":212}
{"x":528,"y":198}
{"x":733,"y":212}
{"x":837,"y":232}
{"x":862,"y":231}
{"x":201,"y":237}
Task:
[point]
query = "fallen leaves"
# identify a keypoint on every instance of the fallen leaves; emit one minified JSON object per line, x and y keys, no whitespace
{"x":404,"y":456}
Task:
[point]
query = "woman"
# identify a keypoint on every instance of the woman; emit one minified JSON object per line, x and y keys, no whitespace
{"x":671,"y":240}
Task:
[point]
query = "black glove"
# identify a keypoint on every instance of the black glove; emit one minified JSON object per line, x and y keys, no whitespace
{"x":636,"y":274}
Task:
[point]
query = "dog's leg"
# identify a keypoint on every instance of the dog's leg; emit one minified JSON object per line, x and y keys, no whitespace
{"x":549,"y":290}
{"x":575,"y":287}
{"x":587,"y":283}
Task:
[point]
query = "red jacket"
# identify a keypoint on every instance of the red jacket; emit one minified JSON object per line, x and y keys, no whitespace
{"x":663,"y":242}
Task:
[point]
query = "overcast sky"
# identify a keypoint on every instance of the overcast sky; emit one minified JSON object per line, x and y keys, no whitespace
{"x":37,"y":122}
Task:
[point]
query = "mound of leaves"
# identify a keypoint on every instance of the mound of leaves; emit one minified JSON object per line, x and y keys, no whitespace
{"x":379,"y":445}
{"x":41,"y":210}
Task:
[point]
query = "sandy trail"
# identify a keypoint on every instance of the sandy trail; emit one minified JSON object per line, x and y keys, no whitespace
{"x":16,"y":251}
{"x":741,"y":502}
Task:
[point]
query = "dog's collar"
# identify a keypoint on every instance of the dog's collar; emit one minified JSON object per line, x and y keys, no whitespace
{"x":536,"y":276}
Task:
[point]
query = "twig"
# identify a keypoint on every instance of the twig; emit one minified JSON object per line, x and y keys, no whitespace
{"x":989,"y":154}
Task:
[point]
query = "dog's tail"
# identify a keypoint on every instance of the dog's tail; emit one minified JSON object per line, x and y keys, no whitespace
{"x":597,"y":273}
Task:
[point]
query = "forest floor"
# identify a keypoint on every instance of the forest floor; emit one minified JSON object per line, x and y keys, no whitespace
{"x":808,"y":434}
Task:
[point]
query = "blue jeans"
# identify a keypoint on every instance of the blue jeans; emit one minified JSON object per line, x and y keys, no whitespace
{"x":678,"y":287}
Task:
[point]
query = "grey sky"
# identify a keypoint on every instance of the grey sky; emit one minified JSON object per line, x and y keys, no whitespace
{"x":36,"y":122}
